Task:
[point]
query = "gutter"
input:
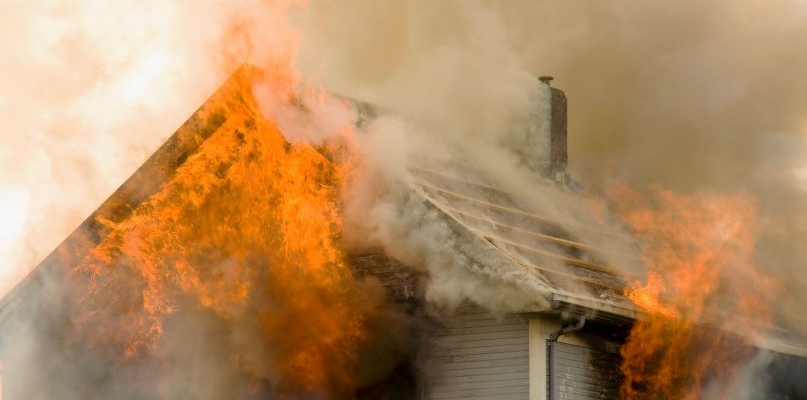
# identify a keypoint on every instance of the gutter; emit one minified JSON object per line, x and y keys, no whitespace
{"x":601,"y":310}
{"x":568,"y":329}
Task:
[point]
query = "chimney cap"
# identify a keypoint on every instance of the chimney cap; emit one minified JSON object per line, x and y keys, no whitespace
{"x":545,"y":79}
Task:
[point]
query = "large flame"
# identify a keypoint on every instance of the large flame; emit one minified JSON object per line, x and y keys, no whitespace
{"x":248,"y":229}
{"x":701,"y":284}
{"x":92,"y":87}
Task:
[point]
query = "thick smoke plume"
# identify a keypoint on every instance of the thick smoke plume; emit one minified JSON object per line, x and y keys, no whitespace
{"x":449,"y":85}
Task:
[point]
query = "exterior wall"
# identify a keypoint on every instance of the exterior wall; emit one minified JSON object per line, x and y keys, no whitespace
{"x":476,"y":356}
{"x":589,"y":368}
{"x":579,"y":372}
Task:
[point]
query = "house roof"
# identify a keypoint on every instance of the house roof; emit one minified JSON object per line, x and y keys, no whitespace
{"x":538,"y":250}
{"x":540,"y":246}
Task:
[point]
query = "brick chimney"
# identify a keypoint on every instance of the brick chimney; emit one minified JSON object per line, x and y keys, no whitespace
{"x":558,"y":156}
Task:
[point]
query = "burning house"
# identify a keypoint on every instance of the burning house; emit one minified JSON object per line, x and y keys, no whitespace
{"x":218,"y":255}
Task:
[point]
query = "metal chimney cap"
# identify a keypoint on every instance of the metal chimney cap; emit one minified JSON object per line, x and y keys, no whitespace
{"x":545,"y":79}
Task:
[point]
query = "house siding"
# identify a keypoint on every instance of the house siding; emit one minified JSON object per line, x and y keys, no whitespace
{"x":476,"y":356}
{"x":581,"y":373}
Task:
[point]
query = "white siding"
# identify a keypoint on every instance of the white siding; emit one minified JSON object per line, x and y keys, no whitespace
{"x":476,"y":356}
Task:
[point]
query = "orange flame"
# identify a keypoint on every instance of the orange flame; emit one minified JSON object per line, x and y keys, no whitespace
{"x":701,"y":279}
{"x":248,"y":229}
{"x":647,"y":296}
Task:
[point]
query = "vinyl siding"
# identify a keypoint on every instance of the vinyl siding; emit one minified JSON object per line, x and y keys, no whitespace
{"x":476,"y":356}
{"x":580,"y":373}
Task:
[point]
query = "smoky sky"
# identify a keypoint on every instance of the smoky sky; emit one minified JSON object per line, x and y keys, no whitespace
{"x":703,"y":98}
{"x":700,"y":97}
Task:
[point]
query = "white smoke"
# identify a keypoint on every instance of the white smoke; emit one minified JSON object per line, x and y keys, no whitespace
{"x":448,"y":86}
